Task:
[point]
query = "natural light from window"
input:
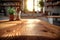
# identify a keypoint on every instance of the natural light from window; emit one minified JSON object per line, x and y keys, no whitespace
{"x":33,"y":5}
{"x":30,"y":5}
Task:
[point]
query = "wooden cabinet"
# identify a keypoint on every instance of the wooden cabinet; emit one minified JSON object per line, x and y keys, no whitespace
{"x":54,"y":6}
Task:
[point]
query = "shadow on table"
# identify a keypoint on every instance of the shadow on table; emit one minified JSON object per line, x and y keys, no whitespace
{"x":28,"y":38}
{"x":4,"y":21}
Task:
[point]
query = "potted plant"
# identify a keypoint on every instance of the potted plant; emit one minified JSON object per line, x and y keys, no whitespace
{"x":41,"y":3}
{"x":11,"y":12}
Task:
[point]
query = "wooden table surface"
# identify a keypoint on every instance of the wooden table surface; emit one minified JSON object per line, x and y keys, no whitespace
{"x":30,"y":27}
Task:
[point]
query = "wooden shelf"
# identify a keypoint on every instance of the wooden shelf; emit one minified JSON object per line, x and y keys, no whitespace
{"x":10,"y":5}
{"x":52,"y":5}
{"x":15,"y":3}
{"x":7,"y":3}
{"x":11,"y":0}
{"x":52,"y":1}
{"x":53,"y":16}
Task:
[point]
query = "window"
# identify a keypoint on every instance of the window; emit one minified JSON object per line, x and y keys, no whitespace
{"x":33,"y":5}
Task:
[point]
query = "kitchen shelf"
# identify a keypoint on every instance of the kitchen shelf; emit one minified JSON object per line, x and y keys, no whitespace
{"x":53,"y":16}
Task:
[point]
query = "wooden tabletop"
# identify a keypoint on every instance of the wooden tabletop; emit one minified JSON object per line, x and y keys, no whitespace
{"x":30,"y":27}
